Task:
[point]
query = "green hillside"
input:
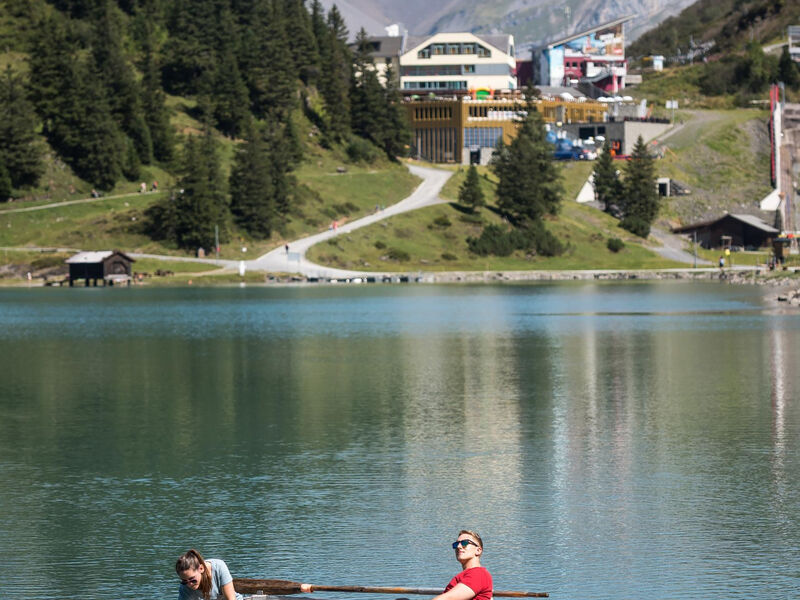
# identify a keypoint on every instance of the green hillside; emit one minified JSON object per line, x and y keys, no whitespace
{"x":435,"y":238}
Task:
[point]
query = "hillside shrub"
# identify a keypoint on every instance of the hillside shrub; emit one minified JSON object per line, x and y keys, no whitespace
{"x":379,"y":245}
{"x":441,"y":222}
{"x":449,"y":256}
{"x":398,"y":255}
{"x":361,"y":150}
{"x":615,"y":244}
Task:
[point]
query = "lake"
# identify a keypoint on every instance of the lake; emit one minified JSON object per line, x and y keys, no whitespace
{"x":607,"y":440}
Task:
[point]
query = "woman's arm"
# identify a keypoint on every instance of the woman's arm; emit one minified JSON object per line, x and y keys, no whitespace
{"x":459,"y":591}
{"x":228,"y":592}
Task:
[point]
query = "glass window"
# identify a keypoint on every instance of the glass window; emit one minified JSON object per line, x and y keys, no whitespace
{"x":438,"y":49}
{"x":469,"y":68}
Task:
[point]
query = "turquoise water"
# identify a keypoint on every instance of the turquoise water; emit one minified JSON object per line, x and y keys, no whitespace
{"x":607,"y":441}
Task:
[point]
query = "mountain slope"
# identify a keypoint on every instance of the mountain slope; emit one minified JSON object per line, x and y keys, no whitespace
{"x":530,"y":21}
{"x":730,"y":23}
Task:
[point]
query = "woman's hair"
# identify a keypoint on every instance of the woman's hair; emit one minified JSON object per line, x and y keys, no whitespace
{"x":192,"y":560}
{"x":473,"y":534}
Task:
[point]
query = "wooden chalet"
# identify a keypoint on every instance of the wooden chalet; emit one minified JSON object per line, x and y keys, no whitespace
{"x":110,"y":267}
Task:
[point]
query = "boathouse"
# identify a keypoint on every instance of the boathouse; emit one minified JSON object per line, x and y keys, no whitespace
{"x":108,"y":266}
{"x":741,"y":231}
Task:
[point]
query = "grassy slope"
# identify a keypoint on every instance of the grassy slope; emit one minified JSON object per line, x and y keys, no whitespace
{"x":723,"y":156}
{"x":435,"y":246}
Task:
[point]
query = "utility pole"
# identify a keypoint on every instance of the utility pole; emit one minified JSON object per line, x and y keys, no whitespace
{"x":216,"y":241}
{"x":694,"y":236}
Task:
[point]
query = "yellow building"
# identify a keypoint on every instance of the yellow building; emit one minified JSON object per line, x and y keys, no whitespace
{"x":466,"y":130}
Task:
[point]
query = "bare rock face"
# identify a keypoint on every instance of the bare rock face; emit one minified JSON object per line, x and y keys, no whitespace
{"x":532,"y":22}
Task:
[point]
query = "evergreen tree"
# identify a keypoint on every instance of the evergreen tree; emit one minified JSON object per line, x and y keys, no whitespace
{"x":607,"y":184}
{"x":267,"y":63}
{"x":190,"y":50}
{"x":5,"y":183}
{"x":368,"y":114}
{"x":20,"y":150}
{"x":320,"y":30}
{"x":280,"y":168}
{"x":398,"y":134}
{"x":51,"y":64}
{"x":640,"y":194}
{"x":470,"y":194}
{"x":302,"y":42}
{"x":202,"y":203}
{"x":788,"y":71}
{"x":529,"y":184}
{"x":251,"y":186}
{"x":230,"y":97}
{"x":85,"y":133}
{"x":118,"y":78}
{"x":155,"y":109}
{"x":334,"y":85}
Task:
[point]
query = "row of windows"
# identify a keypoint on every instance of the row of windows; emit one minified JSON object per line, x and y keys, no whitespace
{"x":427,"y":113}
{"x":484,"y":137}
{"x":437,"y":70}
{"x":452,"y":49}
{"x":435,"y":85}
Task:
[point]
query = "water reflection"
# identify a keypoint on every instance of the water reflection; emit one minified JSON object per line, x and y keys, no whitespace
{"x":608,"y":441}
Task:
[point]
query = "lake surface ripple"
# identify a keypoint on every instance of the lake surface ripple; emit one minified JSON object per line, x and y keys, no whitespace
{"x":608,"y":441}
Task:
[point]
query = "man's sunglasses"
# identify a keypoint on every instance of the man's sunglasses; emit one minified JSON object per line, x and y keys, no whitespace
{"x":464,"y":544}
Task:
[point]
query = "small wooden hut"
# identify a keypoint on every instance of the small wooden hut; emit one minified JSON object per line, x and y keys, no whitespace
{"x":110,"y":267}
{"x":743,"y":231}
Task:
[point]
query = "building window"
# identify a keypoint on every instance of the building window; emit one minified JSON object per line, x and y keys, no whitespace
{"x":469,"y":68}
{"x":484,"y":137}
{"x":454,"y":49}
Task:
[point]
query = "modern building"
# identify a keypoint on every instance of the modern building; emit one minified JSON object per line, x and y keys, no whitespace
{"x":592,"y":60}
{"x":466,"y":130}
{"x":458,"y":63}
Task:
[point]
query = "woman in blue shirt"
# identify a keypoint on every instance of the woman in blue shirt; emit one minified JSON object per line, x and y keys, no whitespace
{"x":204,"y":579}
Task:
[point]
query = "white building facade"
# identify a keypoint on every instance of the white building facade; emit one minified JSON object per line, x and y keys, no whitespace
{"x":458,"y":63}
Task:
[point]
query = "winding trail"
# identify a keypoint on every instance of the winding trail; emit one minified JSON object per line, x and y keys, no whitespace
{"x":295,"y":261}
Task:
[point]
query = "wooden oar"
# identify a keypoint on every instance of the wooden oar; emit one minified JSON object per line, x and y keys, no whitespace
{"x":281,"y":587}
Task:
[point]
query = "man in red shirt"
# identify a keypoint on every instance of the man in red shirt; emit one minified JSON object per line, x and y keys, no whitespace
{"x":474,"y":581}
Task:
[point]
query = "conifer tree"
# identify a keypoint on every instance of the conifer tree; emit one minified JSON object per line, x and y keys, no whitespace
{"x":118,"y":78}
{"x":155,"y":109}
{"x":51,"y":65}
{"x":607,"y":184}
{"x":335,"y":84}
{"x":85,"y":133}
{"x":470,"y":193}
{"x":529,"y":184}
{"x":251,"y":186}
{"x":20,"y":150}
{"x":269,"y":68}
{"x":302,"y":41}
{"x":202,"y":203}
{"x":398,"y":135}
{"x":190,"y":50}
{"x":368,"y":114}
{"x":231,"y":102}
{"x":640,"y":194}
{"x":5,"y":183}
{"x":320,"y":30}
